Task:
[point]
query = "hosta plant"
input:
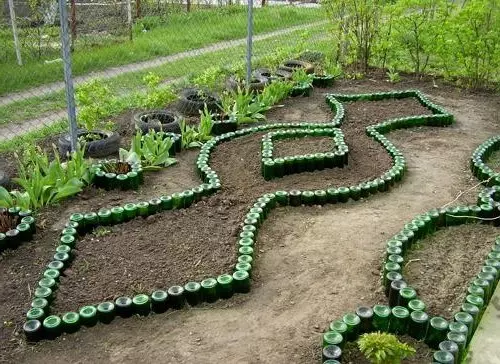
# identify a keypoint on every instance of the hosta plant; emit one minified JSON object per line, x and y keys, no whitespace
{"x":152,"y":150}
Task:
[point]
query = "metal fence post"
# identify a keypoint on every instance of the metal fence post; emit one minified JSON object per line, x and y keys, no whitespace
{"x":249,"y":41}
{"x":68,"y":80}
{"x":14,"y":32}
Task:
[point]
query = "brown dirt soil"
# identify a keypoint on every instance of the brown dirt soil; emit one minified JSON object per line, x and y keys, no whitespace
{"x":440,"y":271}
{"x":301,"y":146}
{"x":352,"y":355}
{"x":313,"y":264}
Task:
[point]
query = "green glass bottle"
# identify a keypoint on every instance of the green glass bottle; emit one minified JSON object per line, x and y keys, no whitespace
{"x":416,"y":305}
{"x":159,"y":301}
{"x":436,"y":332}
{"x":451,"y":347}
{"x":68,"y":240}
{"x":117,"y":215}
{"x":225,"y":286}
{"x":35,"y":314}
{"x":418,"y":324}
{"x":399,"y":320}
{"x":176,"y":297}
{"x":406,"y":294}
{"x":71,"y":322}
{"x":461,"y":341}
{"x":389,"y":278}
{"x":394,"y":295}
{"x":33,"y":330}
{"x":209,"y":290}
{"x":129,"y":211}
{"x":141,"y":304}
{"x":104,"y":216}
{"x":466,"y":319}
{"x":192,"y":291}
{"x":473,"y":310}
{"x":333,"y":338}
{"x":52,"y":326}
{"x":366,"y":316}
{"x":353,"y":323}
{"x":106,"y":312}
{"x":381,"y":316}
{"x":88,"y":316}
{"x":241,"y":281}
{"x":44,"y":292}
{"x":443,"y":357}
{"x":123,"y":306}
{"x":331,"y":352}
{"x":41,"y":303}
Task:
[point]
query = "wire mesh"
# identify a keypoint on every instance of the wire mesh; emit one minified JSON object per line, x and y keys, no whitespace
{"x":121,"y":42}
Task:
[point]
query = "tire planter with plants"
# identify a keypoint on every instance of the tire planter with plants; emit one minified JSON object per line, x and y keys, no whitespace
{"x":323,"y":80}
{"x":157,"y":120}
{"x":16,"y":226}
{"x":98,"y":143}
{"x":295,"y":64}
{"x":257,"y":83}
{"x":262,"y":72}
{"x":192,"y":102}
{"x":113,"y":174}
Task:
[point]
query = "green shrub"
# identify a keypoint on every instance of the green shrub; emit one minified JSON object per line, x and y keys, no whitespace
{"x":383,"y":348}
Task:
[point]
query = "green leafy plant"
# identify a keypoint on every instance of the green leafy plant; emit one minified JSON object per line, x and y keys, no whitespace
{"x":393,"y":76}
{"x":157,"y":95}
{"x":195,"y":136}
{"x":301,"y":78}
{"x":45,"y":182}
{"x":95,"y":103}
{"x":383,"y":348}
{"x":151,"y":150}
{"x":245,"y":107}
{"x":274,"y":92}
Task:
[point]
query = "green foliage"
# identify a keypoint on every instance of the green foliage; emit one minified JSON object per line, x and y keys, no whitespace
{"x":46,"y":182}
{"x":355,"y":28}
{"x":383,"y":348}
{"x":274,"y":92}
{"x":393,"y":76}
{"x":95,"y":103}
{"x":157,"y":95}
{"x":244,"y":106}
{"x":301,"y":78}
{"x":195,"y":136}
{"x":151,"y":150}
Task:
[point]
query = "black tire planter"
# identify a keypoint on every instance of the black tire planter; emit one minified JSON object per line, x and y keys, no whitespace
{"x":107,"y":145}
{"x":323,"y":80}
{"x":191,"y":103}
{"x":283,"y":74}
{"x":257,"y":83}
{"x":157,"y":120}
{"x":294,"y":64}
{"x":262,"y":72}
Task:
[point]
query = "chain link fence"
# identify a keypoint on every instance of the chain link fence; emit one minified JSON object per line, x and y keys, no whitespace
{"x":121,"y":42}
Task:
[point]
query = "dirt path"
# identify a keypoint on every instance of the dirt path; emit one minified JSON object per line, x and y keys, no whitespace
{"x":313,"y":263}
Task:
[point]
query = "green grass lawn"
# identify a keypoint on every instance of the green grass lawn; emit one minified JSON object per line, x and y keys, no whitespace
{"x":180,"y":32}
{"x":128,"y":84}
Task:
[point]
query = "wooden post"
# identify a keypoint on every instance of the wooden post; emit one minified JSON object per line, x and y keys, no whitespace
{"x":14,"y":32}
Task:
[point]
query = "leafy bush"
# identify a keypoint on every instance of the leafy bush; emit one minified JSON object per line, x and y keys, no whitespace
{"x":301,"y":78}
{"x":383,"y":348}
{"x":151,"y":149}
{"x":95,"y":103}
{"x":156,"y":95}
{"x":45,"y":182}
{"x":274,"y":92}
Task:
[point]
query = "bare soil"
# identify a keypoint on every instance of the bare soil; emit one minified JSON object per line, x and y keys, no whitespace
{"x":438,"y":267}
{"x":313,"y":264}
{"x":302,"y":146}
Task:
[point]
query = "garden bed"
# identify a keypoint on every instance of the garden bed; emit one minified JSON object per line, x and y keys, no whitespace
{"x":238,"y":164}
